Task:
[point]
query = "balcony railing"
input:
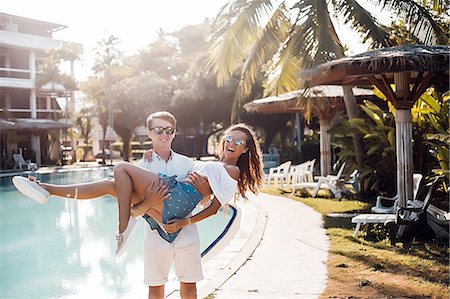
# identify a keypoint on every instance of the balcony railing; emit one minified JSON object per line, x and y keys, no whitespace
{"x":14,"y":73}
{"x":29,"y":110}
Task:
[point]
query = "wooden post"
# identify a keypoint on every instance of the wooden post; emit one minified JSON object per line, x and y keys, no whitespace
{"x":298,"y":132}
{"x":403,"y":123}
{"x":325,"y":148}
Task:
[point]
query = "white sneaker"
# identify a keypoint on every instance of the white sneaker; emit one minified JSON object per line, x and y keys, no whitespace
{"x":123,"y":238}
{"x":31,"y":189}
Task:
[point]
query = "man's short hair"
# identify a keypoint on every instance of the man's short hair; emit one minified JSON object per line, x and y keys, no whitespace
{"x":161,"y":115}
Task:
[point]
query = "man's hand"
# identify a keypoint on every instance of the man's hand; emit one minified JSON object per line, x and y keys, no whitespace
{"x":200,"y":183}
{"x":148,"y":155}
{"x":155,"y":195}
{"x":175,"y":225}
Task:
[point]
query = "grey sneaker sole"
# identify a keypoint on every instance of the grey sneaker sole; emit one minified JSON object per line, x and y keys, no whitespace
{"x":31,"y":189}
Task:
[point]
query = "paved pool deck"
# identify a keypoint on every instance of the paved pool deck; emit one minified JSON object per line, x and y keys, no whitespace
{"x":279,"y":252}
{"x":290,"y":259}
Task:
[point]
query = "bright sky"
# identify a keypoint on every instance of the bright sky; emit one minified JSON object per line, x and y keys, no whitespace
{"x":135,"y":22}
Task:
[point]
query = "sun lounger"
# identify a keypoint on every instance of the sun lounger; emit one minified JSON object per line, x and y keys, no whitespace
{"x":302,"y":173}
{"x":21,"y":163}
{"x":334,"y":183}
{"x":390,"y":209}
{"x":279,"y":173}
{"x":371,"y":218}
{"x":403,"y":216}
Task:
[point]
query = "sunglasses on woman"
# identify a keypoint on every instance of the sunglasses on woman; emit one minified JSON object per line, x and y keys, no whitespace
{"x":237,"y":142}
{"x":160,"y":130}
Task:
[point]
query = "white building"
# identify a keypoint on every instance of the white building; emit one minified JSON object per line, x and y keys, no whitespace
{"x":27,"y":114}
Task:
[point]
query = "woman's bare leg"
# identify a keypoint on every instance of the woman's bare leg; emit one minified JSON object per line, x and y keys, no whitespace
{"x":85,"y":190}
{"x":129,"y":178}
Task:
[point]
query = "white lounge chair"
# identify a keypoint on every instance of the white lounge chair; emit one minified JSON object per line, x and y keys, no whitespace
{"x":21,"y":163}
{"x":292,"y":170}
{"x":334,"y":183}
{"x":302,"y":173}
{"x":279,"y":173}
{"x":403,"y":215}
{"x":309,"y":174}
{"x":390,"y":209}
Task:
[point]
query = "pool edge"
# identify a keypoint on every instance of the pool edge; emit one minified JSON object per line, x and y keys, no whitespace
{"x":241,"y":256}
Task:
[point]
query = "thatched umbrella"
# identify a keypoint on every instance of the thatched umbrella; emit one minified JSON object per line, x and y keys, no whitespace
{"x":324,"y":102}
{"x":411,"y":69}
{"x":33,"y":125}
{"x":39,"y":125}
{"x":7,"y":125}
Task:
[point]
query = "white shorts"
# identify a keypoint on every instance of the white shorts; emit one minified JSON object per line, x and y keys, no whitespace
{"x":158,"y":257}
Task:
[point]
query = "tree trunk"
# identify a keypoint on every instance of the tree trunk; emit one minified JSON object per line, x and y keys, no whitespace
{"x":202,"y":144}
{"x":353,"y":112}
{"x":103,"y":145}
{"x":325,"y":148}
{"x":126,"y":147}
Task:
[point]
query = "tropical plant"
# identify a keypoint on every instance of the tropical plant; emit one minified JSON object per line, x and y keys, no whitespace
{"x":431,"y":130}
{"x":430,"y":118}
{"x":378,"y":174}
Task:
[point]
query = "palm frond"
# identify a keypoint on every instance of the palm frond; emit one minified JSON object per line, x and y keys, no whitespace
{"x":421,"y":21}
{"x":234,"y":30}
{"x":318,"y":40}
{"x":364,"y":23}
{"x":283,"y":77}
{"x":263,"y":50}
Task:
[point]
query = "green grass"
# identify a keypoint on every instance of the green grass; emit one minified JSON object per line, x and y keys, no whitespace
{"x":323,"y":205}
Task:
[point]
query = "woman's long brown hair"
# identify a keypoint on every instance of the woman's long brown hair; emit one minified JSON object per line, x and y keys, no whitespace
{"x":250,"y":162}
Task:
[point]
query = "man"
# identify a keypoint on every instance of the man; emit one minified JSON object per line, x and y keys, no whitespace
{"x":185,"y":250}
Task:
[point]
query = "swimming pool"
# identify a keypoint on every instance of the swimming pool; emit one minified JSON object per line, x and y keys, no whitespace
{"x":65,"y":248}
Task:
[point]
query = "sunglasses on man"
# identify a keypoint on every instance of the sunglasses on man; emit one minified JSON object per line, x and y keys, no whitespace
{"x":237,"y":142}
{"x":160,"y":130}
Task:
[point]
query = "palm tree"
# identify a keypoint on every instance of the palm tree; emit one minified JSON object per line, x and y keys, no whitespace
{"x":49,"y":70}
{"x":269,"y":36}
{"x":49,"y":73}
{"x":107,"y":55}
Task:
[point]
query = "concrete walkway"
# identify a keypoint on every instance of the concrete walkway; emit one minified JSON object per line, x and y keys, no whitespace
{"x":288,"y":262}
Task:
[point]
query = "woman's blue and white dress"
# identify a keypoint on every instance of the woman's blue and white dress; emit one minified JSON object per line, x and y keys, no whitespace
{"x":184,"y":197}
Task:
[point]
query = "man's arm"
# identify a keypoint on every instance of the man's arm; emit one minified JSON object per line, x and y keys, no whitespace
{"x":154,"y":214}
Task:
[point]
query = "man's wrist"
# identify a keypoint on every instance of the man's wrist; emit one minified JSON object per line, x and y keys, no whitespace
{"x":188,"y":221}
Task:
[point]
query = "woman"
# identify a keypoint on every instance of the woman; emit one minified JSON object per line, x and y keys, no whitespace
{"x":239,"y":169}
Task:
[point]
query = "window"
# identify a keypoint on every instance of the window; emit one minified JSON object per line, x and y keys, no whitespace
{"x":3,"y":65}
{"x":2,"y":102}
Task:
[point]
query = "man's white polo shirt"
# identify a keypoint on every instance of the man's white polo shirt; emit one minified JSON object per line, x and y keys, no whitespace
{"x":180,"y":166}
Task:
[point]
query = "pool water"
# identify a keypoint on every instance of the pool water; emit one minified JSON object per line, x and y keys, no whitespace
{"x":65,"y":248}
